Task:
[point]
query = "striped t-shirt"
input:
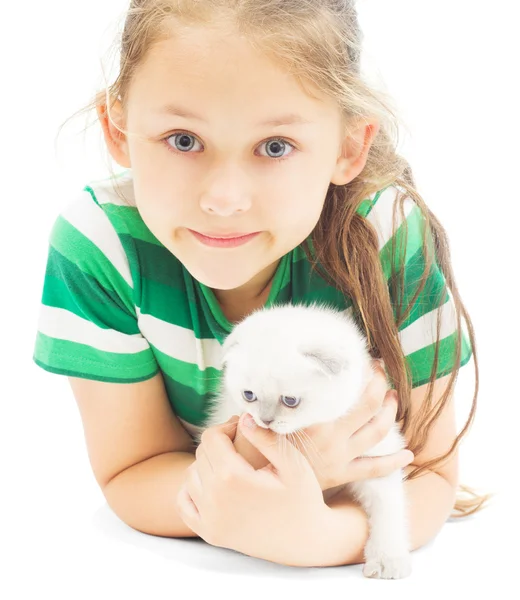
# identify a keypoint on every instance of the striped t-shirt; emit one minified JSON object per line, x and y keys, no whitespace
{"x":117,"y":306}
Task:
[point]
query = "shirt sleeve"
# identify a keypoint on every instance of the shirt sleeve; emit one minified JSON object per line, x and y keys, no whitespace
{"x":88,"y":323}
{"x":418,"y":332}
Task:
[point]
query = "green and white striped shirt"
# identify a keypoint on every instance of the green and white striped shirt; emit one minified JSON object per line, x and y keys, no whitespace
{"x":117,"y":306}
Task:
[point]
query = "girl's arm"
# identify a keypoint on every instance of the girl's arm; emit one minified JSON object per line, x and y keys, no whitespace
{"x":144,"y":496}
{"x":430,"y":498}
{"x":138,"y":449}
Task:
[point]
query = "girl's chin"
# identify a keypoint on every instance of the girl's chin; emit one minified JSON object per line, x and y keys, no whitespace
{"x":220,"y":283}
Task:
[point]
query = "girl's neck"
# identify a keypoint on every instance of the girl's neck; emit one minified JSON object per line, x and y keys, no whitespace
{"x":239,"y":302}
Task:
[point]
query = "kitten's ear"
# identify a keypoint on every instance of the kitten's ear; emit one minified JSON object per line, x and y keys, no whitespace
{"x":325,"y":362}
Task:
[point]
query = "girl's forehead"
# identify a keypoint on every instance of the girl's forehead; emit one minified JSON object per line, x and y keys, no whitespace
{"x":182,"y":76}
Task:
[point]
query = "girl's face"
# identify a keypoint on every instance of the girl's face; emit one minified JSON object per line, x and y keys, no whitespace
{"x":224,"y":168}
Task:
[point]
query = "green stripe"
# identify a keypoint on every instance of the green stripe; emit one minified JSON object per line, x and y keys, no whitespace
{"x":421,"y":361}
{"x":170,"y":305}
{"x":409,"y":236}
{"x":368,"y":204}
{"x":309,"y":288}
{"x":186,"y":402}
{"x":95,"y":376}
{"x":126,"y":220}
{"x":68,"y":287}
{"x":79,"y":250}
{"x":86,"y":361}
{"x":433,"y":295}
{"x":188,"y":374}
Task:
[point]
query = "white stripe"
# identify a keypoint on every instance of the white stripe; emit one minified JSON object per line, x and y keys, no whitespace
{"x":88,"y":218}
{"x":65,"y":325}
{"x":381,"y":215}
{"x":423,"y":332}
{"x":105,"y":193}
{"x":180,"y":343}
{"x":348,"y":312}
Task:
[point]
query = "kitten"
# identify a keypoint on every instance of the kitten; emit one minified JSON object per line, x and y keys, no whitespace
{"x":291,"y":367}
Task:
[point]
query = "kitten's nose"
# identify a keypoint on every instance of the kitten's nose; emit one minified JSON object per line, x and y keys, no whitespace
{"x":267,"y":423}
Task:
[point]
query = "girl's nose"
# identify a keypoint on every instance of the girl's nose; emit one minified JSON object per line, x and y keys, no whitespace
{"x":225,"y":206}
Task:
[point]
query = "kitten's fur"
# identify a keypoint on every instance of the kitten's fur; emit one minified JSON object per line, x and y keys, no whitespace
{"x":318,"y":355}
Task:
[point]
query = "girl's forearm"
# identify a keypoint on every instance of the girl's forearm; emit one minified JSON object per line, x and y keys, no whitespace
{"x":145,"y":495}
{"x":430,"y":498}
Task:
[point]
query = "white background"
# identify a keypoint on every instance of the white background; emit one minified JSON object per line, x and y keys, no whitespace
{"x":452,"y":68}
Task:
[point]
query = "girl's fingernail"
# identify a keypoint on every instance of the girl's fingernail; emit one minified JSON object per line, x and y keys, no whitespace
{"x":249,"y":421}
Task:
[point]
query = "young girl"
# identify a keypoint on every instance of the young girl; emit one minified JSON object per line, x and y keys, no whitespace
{"x":251,"y":120}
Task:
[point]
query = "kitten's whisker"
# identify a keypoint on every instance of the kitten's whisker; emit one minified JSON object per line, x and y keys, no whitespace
{"x":295,"y":434}
{"x":313,"y":446}
{"x":285,"y":442}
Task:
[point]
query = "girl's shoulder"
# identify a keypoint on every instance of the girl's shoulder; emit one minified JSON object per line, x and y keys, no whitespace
{"x":117,"y":190}
{"x":381,"y":200}
{"x":383,"y":213}
{"x":115,"y":197}
{"x":101,"y":208}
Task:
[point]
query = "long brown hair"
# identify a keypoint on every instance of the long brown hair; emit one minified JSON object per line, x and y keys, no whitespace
{"x":320,"y":41}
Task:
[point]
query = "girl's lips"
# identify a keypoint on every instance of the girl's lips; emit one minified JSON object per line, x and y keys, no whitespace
{"x":226,"y":236}
{"x":224,"y":242}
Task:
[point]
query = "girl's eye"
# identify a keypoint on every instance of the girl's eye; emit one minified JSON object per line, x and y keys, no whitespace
{"x":184,"y":144}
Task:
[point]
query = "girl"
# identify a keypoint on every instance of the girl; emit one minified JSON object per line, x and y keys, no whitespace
{"x":250,"y":120}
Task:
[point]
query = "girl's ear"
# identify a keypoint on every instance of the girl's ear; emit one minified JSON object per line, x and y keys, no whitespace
{"x":354,"y":152}
{"x":115,"y":140}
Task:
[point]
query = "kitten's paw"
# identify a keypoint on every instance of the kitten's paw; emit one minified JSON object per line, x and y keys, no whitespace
{"x":388,"y":567}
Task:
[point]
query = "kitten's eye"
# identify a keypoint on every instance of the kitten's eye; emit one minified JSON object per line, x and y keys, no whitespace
{"x":290,"y":401}
{"x":249,"y":395}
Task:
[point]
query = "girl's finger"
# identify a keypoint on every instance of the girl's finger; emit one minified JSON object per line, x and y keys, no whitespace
{"x":378,"y":466}
{"x":369,"y":405}
{"x":193,"y":484}
{"x":230,"y":427}
{"x":217,"y":444}
{"x":319,"y":432}
{"x":376,"y":429}
{"x":186,"y":505}
{"x":283,"y":457}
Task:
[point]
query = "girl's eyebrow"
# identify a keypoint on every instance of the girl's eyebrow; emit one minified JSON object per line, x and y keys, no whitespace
{"x":288,"y":119}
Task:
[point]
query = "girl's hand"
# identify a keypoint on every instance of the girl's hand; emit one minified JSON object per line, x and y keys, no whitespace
{"x":332,"y":448}
{"x":229,"y":504}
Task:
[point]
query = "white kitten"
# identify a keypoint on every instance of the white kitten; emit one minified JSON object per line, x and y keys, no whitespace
{"x":293,"y":366}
